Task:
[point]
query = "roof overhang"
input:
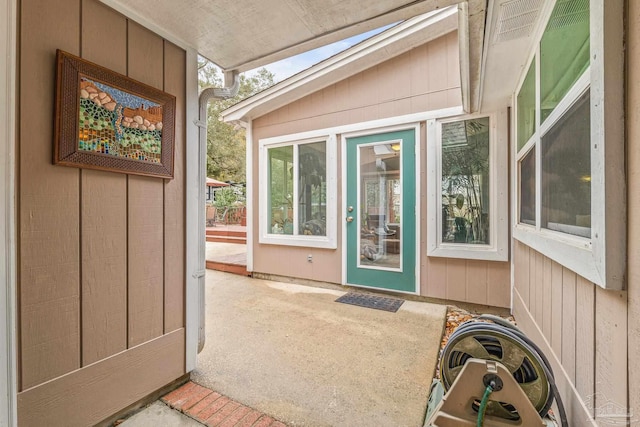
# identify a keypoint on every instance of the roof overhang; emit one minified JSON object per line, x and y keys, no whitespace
{"x":215,"y":183}
{"x":245,"y":34}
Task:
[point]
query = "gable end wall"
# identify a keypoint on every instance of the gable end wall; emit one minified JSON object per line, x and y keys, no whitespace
{"x":423,"y":79}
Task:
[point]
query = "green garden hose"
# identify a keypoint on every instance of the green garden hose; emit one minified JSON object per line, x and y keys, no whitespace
{"x":483,"y":404}
{"x":495,"y":340}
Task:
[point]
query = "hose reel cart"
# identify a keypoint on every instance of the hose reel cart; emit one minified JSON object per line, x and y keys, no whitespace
{"x":491,"y":374}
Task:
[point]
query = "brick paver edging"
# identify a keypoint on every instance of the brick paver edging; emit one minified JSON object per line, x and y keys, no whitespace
{"x":213,"y":409}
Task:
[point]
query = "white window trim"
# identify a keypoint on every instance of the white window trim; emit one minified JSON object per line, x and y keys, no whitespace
{"x":8,"y":263}
{"x":498,"y":249}
{"x":266,"y":237}
{"x":601,"y":259}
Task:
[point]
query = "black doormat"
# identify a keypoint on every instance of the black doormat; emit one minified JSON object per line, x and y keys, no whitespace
{"x":371,"y":301}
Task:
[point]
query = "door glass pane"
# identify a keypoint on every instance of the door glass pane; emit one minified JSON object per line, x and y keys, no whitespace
{"x":528,"y":188}
{"x":564,"y":52}
{"x":527,"y":107}
{"x":280,"y":212}
{"x":465,"y":182}
{"x":380,"y":206}
{"x":312,"y":189}
{"x":566,"y":172}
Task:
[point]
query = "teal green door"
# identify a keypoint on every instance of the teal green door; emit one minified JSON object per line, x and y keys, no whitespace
{"x":381,"y":211}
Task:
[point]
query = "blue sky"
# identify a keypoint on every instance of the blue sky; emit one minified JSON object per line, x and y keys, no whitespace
{"x":287,"y":67}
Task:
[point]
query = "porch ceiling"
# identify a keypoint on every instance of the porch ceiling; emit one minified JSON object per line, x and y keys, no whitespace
{"x":245,"y":34}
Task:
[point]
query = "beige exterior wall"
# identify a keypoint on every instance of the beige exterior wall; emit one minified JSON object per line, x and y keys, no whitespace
{"x":633,"y":203}
{"x":101,"y":255}
{"x":579,"y":326}
{"x":591,"y":335}
{"x":424,"y":79}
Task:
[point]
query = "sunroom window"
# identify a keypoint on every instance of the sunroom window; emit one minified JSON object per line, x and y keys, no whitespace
{"x":294,"y":203}
{"x":466,"y":206}
{"x":527,"y":108}
{"x":528,"y":188}
{"x":566,"y":172}
{"x":564,"y":52}
{"x":565,"y":209}
{"x":467,"y":188}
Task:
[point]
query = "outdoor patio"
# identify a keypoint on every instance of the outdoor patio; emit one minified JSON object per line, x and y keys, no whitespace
{"x":295,"y":354}
{"x":226,"y":249}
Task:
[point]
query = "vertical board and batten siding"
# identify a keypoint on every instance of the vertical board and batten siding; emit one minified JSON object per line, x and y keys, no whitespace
{"x":633,"y":202}
{"x":145,"y":210}
{"x":472,"y":281}
{"x":101,"y":268}
{"x":104,"y":196}
{"x":175,"y":250}
{"x":591,"y":335}
{"x":49,"y":236}
{"x":581,"y":328}
{"x":423,"y":79}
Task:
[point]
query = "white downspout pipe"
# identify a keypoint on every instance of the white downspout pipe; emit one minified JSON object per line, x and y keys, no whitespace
{"x":8,"y":233}
{"x":205,"y":96}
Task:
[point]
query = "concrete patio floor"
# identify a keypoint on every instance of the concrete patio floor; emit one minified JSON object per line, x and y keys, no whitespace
{"x":158,"y":414}
{"x":291,"y":352}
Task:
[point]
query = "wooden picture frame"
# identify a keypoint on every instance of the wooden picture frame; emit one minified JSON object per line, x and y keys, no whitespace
{"x":108,"y":121}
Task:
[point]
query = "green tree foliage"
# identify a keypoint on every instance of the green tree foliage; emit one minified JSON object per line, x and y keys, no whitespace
{"x":226,"y":196}
{"x":226,"y":151}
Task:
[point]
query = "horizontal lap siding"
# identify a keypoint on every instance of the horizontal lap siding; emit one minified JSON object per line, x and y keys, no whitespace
{"x":101,"y":254}
{"x":584,"y":330}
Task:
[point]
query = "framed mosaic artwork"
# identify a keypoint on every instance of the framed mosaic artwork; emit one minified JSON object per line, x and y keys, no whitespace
{"x":108,"y":121}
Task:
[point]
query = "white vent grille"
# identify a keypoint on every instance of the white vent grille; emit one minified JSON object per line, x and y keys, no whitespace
{"x":516,"y":19}
{"x":568,"y":12}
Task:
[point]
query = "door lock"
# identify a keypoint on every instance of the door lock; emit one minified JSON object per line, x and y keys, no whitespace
{"x":350,"y":209}
{"x":349,"y":219}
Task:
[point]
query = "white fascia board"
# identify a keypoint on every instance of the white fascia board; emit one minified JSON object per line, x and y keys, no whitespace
{"x":463,"y":43}
{"x":447,"y":17}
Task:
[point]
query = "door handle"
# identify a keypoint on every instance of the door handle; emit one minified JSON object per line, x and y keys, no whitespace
{"x":349,"y":219}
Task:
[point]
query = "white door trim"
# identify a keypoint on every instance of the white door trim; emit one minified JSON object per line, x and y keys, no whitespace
{"x":8,"y":51}
{"x":194,"y":204}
